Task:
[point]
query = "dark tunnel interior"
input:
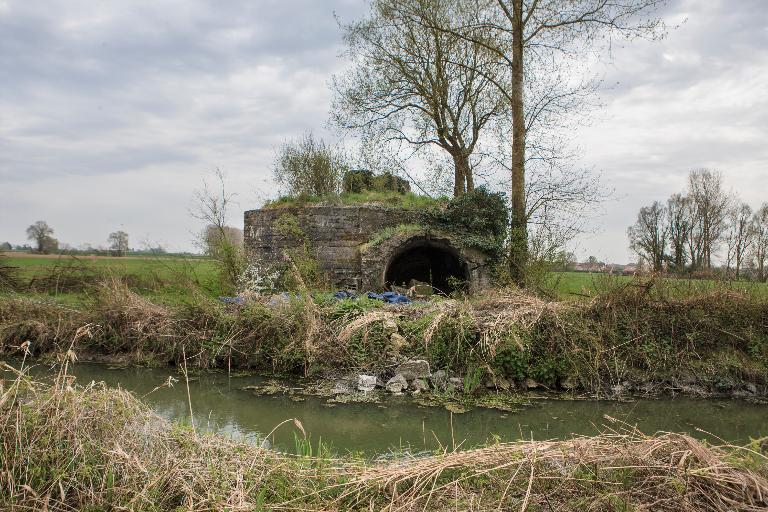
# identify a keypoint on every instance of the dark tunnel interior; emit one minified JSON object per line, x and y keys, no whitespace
{"x":430,"y":263}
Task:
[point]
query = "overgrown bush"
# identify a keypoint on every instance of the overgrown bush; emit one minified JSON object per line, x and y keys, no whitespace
{"x":477,"y":219}
{"x":309,"y":167}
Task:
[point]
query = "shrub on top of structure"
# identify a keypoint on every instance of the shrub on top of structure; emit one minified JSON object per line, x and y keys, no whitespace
{"x":309,"y":167}
{"x":360,"y":180}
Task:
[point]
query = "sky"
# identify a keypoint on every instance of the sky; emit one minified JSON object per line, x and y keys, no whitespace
{"x":113,"y":113}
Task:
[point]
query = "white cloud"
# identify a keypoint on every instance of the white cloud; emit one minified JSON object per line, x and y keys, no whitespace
{"x":112,"y":113}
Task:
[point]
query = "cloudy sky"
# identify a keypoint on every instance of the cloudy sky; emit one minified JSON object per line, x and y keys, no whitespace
{"x":113,"y":112}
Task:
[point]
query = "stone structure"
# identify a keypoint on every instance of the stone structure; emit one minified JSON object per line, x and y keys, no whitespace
{"x":352,"y":248}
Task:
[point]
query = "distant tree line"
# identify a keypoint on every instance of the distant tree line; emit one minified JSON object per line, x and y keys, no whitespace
{"x":691,"y":228}
{"x":41,"y":233}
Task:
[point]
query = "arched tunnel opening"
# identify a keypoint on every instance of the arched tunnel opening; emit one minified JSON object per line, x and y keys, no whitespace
{"x":431,"y":262}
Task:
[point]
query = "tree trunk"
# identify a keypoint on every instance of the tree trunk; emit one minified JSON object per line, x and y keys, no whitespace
{"x":518,"y":236}
{"x":463,"y":181}
{"x":468,"y":176}
{"x":459,"y":183}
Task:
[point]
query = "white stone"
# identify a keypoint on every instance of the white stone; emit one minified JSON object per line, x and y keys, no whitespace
{"x":366,"y":383}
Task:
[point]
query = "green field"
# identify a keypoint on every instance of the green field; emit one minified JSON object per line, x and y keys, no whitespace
{"x":171,"y":278}
{"x":167,"y":278}
{"x":584,"y":285}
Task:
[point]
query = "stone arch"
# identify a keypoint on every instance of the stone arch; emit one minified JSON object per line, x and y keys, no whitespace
{"x":428,"y":260}
{"x":414,"y":254}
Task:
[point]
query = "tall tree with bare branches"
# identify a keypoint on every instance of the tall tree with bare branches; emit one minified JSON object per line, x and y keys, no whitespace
{"x":538,"y":38}
{"x":739,"y":237}
{"x":415,"y":82}
{"x":648,"y":236}
{"x":42,"y":234}
{"x":118,"y":242}
{"x":710,"y":204}
{"x":679,"y":230}
{"x":211,"y":206}
{"x":760,"y":242}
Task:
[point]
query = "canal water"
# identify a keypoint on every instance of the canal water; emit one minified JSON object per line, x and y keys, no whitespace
{"x":221,"y":405}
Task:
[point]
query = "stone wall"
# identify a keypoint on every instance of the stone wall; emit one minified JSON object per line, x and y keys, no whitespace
{"x":339,"y":237}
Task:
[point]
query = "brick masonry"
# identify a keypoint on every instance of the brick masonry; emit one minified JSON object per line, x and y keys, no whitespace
{"x":339,"y":236}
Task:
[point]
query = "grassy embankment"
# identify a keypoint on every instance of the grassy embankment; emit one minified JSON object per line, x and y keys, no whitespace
{"x":641,"y":333}
{"x":94,"y":448}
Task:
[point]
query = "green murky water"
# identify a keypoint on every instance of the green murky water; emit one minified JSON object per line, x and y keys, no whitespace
{"x":221,"y":405}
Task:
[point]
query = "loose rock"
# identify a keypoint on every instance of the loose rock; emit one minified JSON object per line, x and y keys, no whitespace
{"x":397,"y":341}
{"x":389,"y":326}
{"x":456,"y":383}
{"x":366,"y":383}
{"x":414,"y":369}
{"x":419,"y":385}
{"x":619,"y":389}
{"x":569,"y":383}
{"x":531,"y":384}
{"x":396,"y":384}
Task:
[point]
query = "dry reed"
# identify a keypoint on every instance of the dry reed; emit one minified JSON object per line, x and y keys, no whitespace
{"x":66,"y":447}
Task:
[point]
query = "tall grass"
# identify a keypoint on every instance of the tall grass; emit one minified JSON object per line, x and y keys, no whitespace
{"x":68,"y":447}
{"x":634,"y":334}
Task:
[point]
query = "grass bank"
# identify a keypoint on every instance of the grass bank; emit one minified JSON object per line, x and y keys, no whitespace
{"x":67,"y":447}
{"x":70,"y":279}
{"x":637,"y":336}
{"x":586,"y":285}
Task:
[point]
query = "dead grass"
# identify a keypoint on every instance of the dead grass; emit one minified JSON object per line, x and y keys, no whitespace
{"x":713,"y":339}
{"x":66,"y":447}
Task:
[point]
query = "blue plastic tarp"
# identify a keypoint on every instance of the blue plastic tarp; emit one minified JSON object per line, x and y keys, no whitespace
{"x":390,"y":297}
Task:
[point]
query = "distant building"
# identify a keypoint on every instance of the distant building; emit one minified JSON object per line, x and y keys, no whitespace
{"x":610,"y":268}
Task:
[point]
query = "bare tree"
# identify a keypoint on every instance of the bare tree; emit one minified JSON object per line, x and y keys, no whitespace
{"x":309,"y":167}
{"x":648,"y":236}
{"x":212,"y":208}
{"x":537,"y":38}
{"x":212,"y":238}
{"x":118,"y":242}
{"x":415,"y":82}
{"x":711,"y":204}
{"x":560,"y":197}
{"x":40,"y":233}
{"x":760,"y":242}
{"x":678,"y":211}
{"x":739,"y":237}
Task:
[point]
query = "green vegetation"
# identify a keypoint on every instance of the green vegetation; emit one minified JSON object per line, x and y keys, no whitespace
{"x":391,"y":199}
{"x":68,"y":447}
{"x":71,"y":279}
{"x":476,"y":219}
{"x":385,"y":234}
{"x":586,"y":285}
{"x":638,"y":335}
